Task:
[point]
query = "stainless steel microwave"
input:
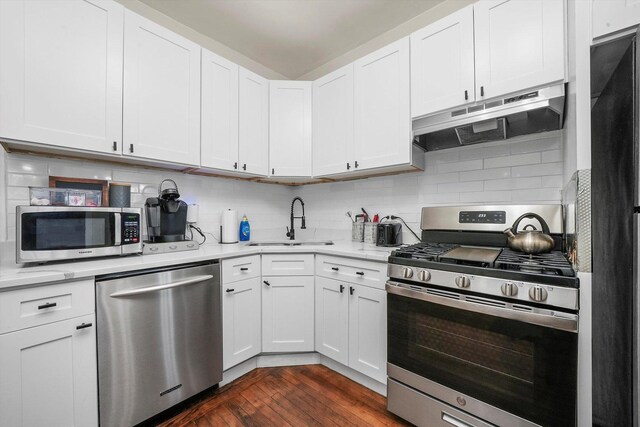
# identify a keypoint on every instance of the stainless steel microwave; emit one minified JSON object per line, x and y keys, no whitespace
{"x":53,"y":233}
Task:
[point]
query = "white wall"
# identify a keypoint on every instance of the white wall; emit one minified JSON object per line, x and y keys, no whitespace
{"x":523,"y":170}
{"x":267,"y":206}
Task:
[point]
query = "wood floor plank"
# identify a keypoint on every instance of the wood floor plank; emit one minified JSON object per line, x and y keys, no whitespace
{"x":290,"y":396}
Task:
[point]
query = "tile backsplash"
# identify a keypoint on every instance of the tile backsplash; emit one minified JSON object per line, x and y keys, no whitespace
{"x":267,"y":206}
{"x":521,"y":170}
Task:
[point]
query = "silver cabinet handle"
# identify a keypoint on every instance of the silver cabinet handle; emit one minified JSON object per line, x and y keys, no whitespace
{"x":185,"y":282}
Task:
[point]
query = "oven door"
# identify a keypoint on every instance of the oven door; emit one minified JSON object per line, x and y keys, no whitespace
{"x":506,"y":364}
{"x":46,"y":233}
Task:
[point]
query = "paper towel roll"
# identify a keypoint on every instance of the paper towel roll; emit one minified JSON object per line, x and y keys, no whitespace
{"x":229,"y":226}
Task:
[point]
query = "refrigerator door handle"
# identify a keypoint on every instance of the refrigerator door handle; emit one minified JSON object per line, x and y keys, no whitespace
{"x":636,"y":319}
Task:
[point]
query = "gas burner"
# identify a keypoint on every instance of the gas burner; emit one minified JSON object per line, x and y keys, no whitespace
{"x":424,"y":251}
{"x":552,"y":263}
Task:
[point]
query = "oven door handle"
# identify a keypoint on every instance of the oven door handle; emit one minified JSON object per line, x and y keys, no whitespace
{"x":569,"y":323}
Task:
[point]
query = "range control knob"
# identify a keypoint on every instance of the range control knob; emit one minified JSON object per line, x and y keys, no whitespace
{"x":424,"y":275}
{"x":463,"y":282}
{"x":538,"y":293}
{"x":407,"y":273}
{"x":509,"y":289}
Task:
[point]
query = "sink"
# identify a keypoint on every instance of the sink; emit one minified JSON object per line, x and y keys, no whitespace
{"x":292,"y":243}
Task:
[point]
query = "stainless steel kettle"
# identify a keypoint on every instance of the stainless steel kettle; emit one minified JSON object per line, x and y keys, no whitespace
{"x":530,"y":241}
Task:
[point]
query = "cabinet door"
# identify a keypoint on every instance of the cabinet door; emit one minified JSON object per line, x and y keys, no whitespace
{"x":368,"y":331}
{"x":442,"y":73}
{"x":519,"y":45}
{"x":382,"y":109}
{"x":290,"y":128}
{"x":49,"y":375}
{"x":161,"y":93}
{"x":254,"y":123}
{"x":61,"y":73}
{"x":219,"y":140}
{"x":287,"y":314}
{"x":610,"y":16}
{"x":333,"y":122}
{"x":332,"y":319}
{"x":242,"y":328}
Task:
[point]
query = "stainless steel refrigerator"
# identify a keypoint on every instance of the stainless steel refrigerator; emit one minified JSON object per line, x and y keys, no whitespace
{"x":615,"y":224}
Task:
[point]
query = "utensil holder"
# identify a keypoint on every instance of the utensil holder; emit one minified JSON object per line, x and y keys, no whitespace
{"x":357,"y":231}
{"x":371,"y":232}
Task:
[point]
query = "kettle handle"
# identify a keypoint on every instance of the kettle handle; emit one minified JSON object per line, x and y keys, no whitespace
{"x":543,"y":223}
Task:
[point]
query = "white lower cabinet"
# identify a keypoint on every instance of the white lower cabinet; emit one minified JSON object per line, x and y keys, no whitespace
{"x":351,"y":326}
{"x":287,"y":314}
{"x":241,"y":326}
{"x":49,"y":375}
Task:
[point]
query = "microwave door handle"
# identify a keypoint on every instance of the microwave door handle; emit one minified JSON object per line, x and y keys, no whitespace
{"x":117,"y":241}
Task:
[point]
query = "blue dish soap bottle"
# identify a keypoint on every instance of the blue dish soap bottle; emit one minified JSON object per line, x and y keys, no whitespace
{"x":245,"y":229}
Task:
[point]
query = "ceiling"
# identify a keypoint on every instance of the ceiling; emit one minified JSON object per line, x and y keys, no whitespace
{"x":292,"y":37}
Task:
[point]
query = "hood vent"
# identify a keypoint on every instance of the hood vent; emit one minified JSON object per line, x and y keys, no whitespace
{"x":536,"y":111}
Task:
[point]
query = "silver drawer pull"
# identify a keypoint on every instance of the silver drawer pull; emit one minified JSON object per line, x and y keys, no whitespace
{"x":47,"y":305}
{"x":454,"y":421}
{"x":185,"y":282}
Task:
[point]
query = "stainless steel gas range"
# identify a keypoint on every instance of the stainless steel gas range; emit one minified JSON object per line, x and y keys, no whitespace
{"x":480,"y":334}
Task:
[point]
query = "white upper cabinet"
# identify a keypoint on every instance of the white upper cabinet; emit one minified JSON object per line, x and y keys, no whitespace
{"x":333,"y":122}
{"x":610,"y":16}
{"x":254,"y":123}
{"x":61,"y":73}
{"x":219,"y":139}
{"x":442,"y":68}
{"x":161,"y":93}
{"x":519,"y":44}
{"x":290,"y":128}
{"x":382,"y":108}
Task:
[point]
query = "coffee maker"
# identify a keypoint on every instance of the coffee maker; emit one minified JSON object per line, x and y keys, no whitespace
{"x":166,"y":215}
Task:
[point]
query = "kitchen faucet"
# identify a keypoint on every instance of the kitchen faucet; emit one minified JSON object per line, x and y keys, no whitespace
{"x":291,"y":232}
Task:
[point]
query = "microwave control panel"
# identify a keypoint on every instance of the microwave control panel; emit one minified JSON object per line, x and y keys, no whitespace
{"x":130,"y":228}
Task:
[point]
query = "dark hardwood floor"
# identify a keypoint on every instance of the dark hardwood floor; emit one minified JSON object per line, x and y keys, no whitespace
{"x":309,"y":395}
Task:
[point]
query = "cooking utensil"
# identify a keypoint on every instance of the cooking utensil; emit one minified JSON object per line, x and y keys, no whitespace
{"x":350,"y":215}
{"x":366,"y":215}
{"x":530,"y":241}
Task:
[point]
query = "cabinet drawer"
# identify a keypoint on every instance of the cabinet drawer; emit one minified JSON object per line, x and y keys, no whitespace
{"x":240,"y":268}
{"x":287,"y":265}
{"x":366,"y":273}
{"x":25,"y":308}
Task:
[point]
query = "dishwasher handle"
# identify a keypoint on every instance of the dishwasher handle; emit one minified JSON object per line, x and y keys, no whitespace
{"x":146,"y":290}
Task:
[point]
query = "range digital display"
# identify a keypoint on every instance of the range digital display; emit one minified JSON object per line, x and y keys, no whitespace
{"x":482,"y":217}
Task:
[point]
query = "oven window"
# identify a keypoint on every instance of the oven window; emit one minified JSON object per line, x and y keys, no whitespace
{"x":527,"y":370}
{"x":46,"y":231}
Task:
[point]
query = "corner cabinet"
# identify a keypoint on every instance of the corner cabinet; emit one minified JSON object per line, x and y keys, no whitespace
{"x":287,"y":303}
{"x":290,"y":128}
{"x":161,"y":93}
{"x":253,"y":155}
{"x":333,"y":122}
{"x":219,"y":124}
{"x":48,"y":51}
{"x":48,"y":360}
{"x":382,"y":108}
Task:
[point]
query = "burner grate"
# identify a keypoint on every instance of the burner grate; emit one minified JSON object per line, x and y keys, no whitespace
{"x":552,"y":263}
{"x":424,"y":251}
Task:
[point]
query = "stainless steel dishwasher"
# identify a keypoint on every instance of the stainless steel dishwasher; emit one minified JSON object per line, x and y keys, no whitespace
{"x":159,"y":340}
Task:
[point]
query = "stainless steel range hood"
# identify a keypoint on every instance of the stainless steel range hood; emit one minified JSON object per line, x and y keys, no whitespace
{"x":534,"y":111}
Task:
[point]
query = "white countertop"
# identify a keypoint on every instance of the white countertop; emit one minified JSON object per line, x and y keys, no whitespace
{"x":15,"y":275}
